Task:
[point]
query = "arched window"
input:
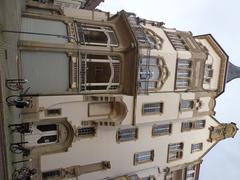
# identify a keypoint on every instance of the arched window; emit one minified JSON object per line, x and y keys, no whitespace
{"x":93,"y":35}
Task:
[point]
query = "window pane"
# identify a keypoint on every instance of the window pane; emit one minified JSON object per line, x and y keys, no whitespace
{"x":152,"y":108}
{"x":51,"y":174}
{"x":199,"y":124}
{"x":87,"y":131}
{"x":182,"y":83}
{"x":196,"y":147}
{"x":163,"y":129}
{"x":184,"y":63}
{"x":175,"y":151}
{"x":96,"y":35}
{"x":143,"y":157}
{"x":148,"y":61}
{"x":186,"y":126}
{"x":127,"y":134}
{"x":183,"y":74}
{"x":186,"y":104}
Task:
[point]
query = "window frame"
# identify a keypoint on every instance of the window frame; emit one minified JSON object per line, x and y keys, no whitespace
{"x":106,"y":30}
{"x":176,"y":151}
{"x":161,"y":108}
{"x":208,"y":73}
{"x":146,"y":63}
{"x":178,"y":43}
{"x":51,"y":174}
{"x":88,"y":134}
{"x":183,"y":66}
{"x":196,"y":147}
{"x":191,"y":105}
{"x":137,"y":162}
{"x":158,"y":126}
{"x":193,"y":125}
{"x":115,"y":64}
{"x":120,"y":139}
{"x":200,"y":121}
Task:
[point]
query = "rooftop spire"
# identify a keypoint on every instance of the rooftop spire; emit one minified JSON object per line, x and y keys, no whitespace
{"x":233,"y":72}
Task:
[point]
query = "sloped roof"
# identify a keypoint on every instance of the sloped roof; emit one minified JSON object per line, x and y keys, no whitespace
{"x":224,"y":60}
{"x":233,"y":72}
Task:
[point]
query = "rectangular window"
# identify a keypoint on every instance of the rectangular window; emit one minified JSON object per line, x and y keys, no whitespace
{"x":51,"y":174}
{"x":149,"y":73}
{"x":199,"y":124}
{"x":192,"y":172}
{"x":87,"y":131}
{"x":162,"y":129}
{"x":47,"y":127}
{"x":187,"y":126}
{"x":153,"y":108}
{"x":184,"y":73}
{"x":186,"y":105}
{"x":176,"y":40}
{"x":208,"y":73}
{"x":53,"y":112}
{"x":196,"y":147}
{"x":92,"y":35}
{"x":182,"y":83}
{"x":175,"y":151}
{"x":143,"y":157}
{"x":99,"y":72}
{"x":184,"y":63}
{"x":127,"y":134}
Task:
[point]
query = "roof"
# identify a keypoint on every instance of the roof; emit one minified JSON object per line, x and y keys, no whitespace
{"x":92,"y":4}
{"x":224,"y":60}
{"x":233,"y":72}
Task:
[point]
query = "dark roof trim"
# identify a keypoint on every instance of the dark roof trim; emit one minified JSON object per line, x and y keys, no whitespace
{"x":199,"y":36}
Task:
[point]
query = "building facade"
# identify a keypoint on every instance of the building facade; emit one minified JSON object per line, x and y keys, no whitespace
{"x":116,"y":96}
{"x":75,"y":4}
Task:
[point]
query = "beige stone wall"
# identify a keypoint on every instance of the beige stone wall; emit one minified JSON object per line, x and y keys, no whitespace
{"x":104,"y":147}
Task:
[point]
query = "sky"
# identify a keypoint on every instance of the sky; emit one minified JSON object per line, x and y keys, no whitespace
{"x":221,"y":19}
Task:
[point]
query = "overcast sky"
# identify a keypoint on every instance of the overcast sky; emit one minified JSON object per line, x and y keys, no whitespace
{"x":221,"y":19}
